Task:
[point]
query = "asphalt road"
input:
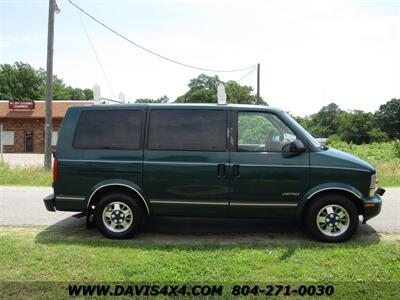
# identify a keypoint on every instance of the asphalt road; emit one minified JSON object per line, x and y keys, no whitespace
{"x":24,"y":206}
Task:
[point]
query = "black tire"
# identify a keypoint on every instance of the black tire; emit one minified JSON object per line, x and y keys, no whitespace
{"x":318,"y":206}
{"x":133,"y":204}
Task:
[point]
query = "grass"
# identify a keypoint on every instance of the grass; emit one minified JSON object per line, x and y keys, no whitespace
{"x":388,"y":173}
{"x":28,"y":176}
{"x":48,"y":255}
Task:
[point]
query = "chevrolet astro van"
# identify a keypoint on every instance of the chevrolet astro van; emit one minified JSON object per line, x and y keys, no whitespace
{"x":120,"y":163}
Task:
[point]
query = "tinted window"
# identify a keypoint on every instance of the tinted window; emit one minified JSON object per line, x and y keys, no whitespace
{"x":262,"y":132}
{"x":203,"y":130}
{"x":109,"y":129}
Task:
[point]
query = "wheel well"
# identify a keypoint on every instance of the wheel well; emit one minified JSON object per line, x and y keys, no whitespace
{"x":357,"y":202}
{"x":98,"y":194}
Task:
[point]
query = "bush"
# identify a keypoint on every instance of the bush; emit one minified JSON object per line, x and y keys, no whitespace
{"x":396,"y":147}
{"x":377,"y":152}
{"x":377,"y":136}
{"x":334,"y":138}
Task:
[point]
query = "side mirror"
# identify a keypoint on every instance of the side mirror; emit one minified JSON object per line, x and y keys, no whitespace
{"x":294,"y":148}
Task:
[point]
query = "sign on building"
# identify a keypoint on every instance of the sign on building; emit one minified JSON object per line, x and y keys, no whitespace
{"x":15,"y":105}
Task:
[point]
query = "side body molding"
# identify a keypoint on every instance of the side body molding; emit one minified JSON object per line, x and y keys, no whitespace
{"x":123,"y":183}
{"x":332,"y":186}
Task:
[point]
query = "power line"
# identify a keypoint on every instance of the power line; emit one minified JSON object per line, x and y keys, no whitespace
{"x":155,"y":53}
{"x":95,"y":54}
{"x":247,"y":74}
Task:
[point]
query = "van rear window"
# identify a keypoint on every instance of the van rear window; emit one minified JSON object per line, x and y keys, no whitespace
{"x":201,"y":130}
{"x":109,"y":129}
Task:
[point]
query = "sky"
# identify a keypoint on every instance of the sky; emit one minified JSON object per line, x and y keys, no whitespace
{"x":311,"y":52}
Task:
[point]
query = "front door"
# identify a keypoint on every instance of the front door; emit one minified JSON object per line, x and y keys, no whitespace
{"x":28,"y":139}
{"x":186,"y":161}
{"x":264,"y":182}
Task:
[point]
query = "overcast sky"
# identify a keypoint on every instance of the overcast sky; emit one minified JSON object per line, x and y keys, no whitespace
{"x":311,"y":52}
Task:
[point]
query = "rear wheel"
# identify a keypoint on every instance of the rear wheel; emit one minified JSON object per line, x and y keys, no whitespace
{"x":331,"y":218}
{"x":118,"y":216}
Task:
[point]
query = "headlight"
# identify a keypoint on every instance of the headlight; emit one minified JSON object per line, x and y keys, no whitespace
{"x":372,"y":185}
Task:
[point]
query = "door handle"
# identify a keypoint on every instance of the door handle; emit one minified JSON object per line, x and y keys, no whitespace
{"x":236,"y":171}
{"x":221,"y":170}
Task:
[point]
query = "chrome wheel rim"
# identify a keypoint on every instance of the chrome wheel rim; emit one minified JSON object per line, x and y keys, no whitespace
{"x":333,"y":220}
{"x":117,"y":216}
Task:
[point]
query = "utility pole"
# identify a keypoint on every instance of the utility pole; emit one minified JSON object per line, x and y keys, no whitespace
{"x":48,"y":128}
{"x":258,"y":83}
{"x":1,"y":141}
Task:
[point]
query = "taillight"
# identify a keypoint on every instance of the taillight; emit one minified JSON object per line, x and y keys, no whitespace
{"x":55,"y":170}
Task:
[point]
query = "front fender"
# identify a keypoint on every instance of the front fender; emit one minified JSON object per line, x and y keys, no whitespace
{"x":325,"y":187}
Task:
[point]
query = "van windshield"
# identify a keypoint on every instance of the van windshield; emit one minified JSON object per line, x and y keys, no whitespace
{"x":305,"y":132}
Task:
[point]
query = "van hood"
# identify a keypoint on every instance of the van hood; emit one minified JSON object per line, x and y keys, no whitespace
{"x":336,"y":158}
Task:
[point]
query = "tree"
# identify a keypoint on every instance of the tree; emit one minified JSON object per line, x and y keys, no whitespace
{"x":163,"y":99}
{"x":377,"y":136}
{"x":325,"y":122}
{"x":20,"y":81}
{"x":203,"y":89}
{"x":75,"y":93}
{"x":63,"y":92}
{"x":388,"y":118}
{"x":88,"y":94}
{"x":355,"y":126}
{"x":303,"y":121}
{"x":241,"y":94}
{"x":60,"y":91}
{"x":327,"y":119}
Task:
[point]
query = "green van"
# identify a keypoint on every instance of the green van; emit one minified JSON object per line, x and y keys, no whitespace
{"x":119,"y":163}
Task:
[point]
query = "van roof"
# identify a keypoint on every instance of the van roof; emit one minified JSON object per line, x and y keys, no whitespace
{"x":184,"y":105}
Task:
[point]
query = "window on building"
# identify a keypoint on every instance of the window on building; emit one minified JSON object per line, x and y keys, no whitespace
{"x":109,"y":129}
{"x":54,"y":137}
{"x":201,"y":130}
{"x":8,"y":138}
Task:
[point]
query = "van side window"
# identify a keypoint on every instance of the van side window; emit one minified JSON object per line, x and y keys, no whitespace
{"x":262,"y":132}
{"x":201,"y":130}
{"x":109,"y":129}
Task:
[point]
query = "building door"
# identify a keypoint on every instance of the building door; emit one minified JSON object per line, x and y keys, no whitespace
{"x":28,"y":141}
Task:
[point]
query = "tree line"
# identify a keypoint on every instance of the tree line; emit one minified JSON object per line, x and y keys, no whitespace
{"x":355,"y":126}
{"x":20,"y":81}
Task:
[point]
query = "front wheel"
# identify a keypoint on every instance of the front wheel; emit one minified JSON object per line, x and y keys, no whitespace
{"x":331,"y":218}
{"x":118,"y":216}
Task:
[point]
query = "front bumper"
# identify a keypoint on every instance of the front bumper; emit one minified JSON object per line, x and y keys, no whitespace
{"x":49,"y":202}
{"x":373,"y":205}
